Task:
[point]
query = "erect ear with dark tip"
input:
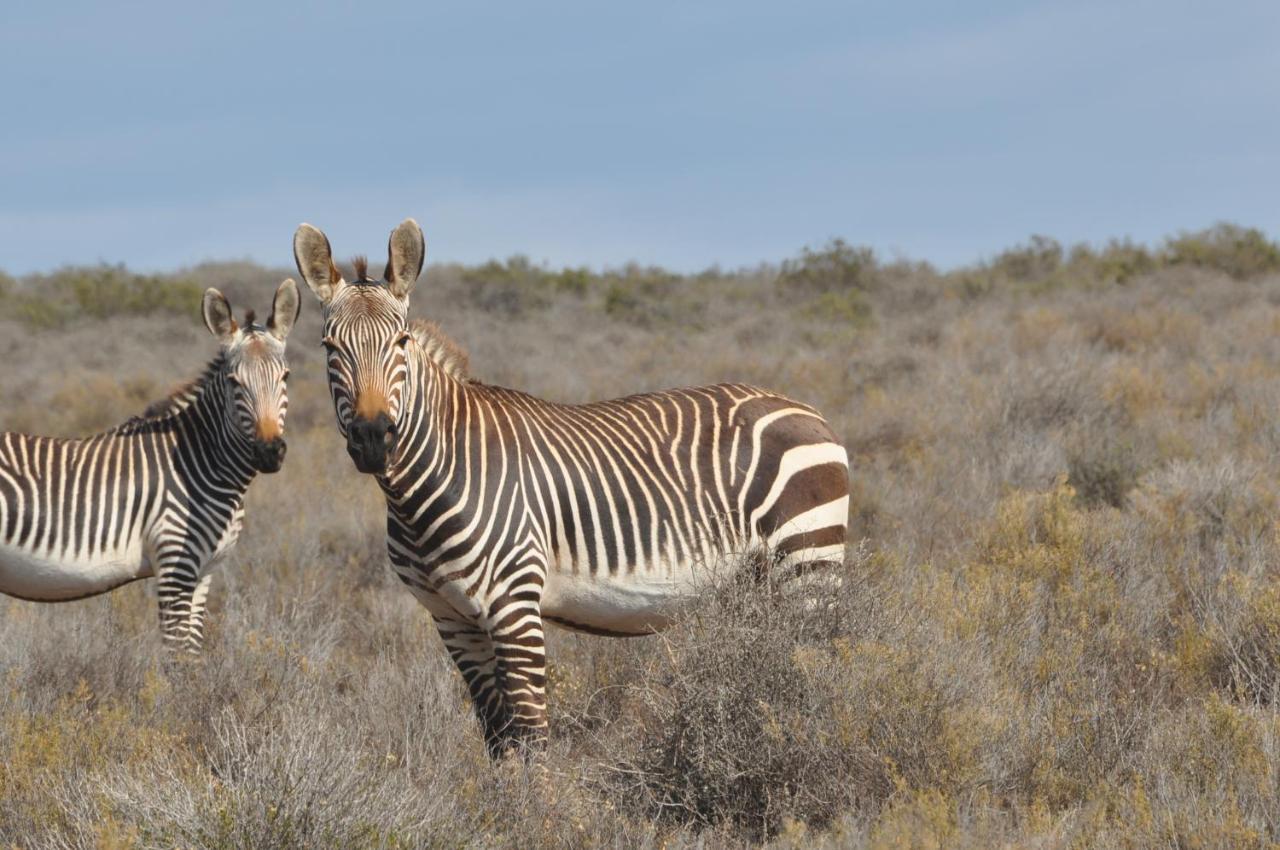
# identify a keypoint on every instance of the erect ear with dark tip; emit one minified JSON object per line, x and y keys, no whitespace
{"x":315,"y":262}
{"x":217,"y":315}
{"x":284,"y":309}
{"x":405,"y":252}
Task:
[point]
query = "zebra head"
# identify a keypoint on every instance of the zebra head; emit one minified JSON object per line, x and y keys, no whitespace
{"x":254,"y":372}
{"x":365,"y":336}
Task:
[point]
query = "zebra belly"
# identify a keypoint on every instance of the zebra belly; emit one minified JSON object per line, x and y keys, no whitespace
{"x":643,"y":601}
{"x":626,"y":603}
{"x":48,"y":579}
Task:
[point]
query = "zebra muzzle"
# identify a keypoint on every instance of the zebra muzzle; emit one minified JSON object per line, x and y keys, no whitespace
{"x":268,"y":455}
{"x":369,"y":441}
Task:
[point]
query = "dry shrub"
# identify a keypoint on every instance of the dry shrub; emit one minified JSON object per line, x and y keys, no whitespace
{"x":1131,"y":328}
{"x":1104,"y":473}
{"x":770,"y":705}
{"x":1226,"y":504}
{"x":1105,"y":459}
{"x":1251,"y":650}
{"x":84,"y":404}
{"x":739,"y":724}
{"x":1205,"y":777}
{"x":1066,"y":643}
{"x":298,"y":782}
{"x":1054,"y":395}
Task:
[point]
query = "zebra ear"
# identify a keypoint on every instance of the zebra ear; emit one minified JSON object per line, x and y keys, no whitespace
{"x":217,"y":315}
{"x":406,"y":249}
{"x":284,"y":309}
{"x":315,"y":262}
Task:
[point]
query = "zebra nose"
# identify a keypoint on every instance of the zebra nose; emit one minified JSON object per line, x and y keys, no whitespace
{"x":368,"y":441}
{"x":268,"y":455}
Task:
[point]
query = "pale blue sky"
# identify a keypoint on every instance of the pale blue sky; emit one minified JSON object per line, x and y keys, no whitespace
{"x":161,"y":134}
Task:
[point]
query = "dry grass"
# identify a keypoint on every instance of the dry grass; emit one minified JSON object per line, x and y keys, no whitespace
{"x":1063,"y":631}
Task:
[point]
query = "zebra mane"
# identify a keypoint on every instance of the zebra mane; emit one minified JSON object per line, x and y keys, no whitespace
{"x":175,"y":402}
{"x":446,"y":353}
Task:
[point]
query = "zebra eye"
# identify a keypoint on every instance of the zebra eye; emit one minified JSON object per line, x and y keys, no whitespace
{"x":403,"y":339}
{"x":285,"y":376}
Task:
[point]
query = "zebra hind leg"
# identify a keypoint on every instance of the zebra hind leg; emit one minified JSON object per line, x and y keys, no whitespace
{"x":815,"y":580}
{"x":764,"y":567}
{"x":819,"y":576}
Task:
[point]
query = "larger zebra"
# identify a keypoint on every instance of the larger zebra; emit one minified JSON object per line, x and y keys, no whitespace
{"x":160,"y":495}
{"x":504,"y":510}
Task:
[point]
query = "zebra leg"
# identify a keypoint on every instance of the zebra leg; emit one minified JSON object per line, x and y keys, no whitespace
{"x":177,"y":586}
{"x":195,"y":621}
{"x":520,"y":648}
{"x":472,"y":651}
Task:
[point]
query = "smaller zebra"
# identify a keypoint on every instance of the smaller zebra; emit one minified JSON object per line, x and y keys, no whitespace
{"x":160,"y":495}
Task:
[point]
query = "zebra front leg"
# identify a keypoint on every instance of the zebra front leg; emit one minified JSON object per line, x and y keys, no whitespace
{"x":177,"y":589}
{"x":472,"y":653}
{"x":520,"y":648}
{"x":195,"y":621}
{"x":506,"y":676}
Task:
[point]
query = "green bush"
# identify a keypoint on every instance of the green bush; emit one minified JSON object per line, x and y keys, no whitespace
{"x":847,"y":308}
{"x":1241,"y":252}
{"x":35,"y":312}
{"x":509,"y":288}
{"x":649,"y":296}
{"x":573,"y":281}
{"x":517,"y":286}
{"x":1119,"y":262}
{"x":99,"y":292}
{"x":833,"y":283}
{"x":836,"y":267}
{"x":1033,"y":262}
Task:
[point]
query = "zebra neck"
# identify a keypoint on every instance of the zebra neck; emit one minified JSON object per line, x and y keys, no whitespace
{"x":429,"y":443}
{"x":218,"y":453}
{"x":194,"y":421}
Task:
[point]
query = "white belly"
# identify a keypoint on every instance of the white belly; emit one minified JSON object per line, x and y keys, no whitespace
{"x":635,"y":603}
{"x":45,"y":579}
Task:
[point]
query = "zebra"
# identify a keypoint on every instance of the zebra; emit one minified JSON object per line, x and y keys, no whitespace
{"x":159,"y":495}
{"x":505,"y":511}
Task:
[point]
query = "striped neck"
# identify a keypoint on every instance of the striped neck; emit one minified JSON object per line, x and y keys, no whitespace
{"x":209,"y":424}
{"x":196,"y":418}
{"x":425,"y":448}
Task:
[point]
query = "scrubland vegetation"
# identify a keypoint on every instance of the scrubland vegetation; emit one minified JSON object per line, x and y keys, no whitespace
{"x":1062,"y":628}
